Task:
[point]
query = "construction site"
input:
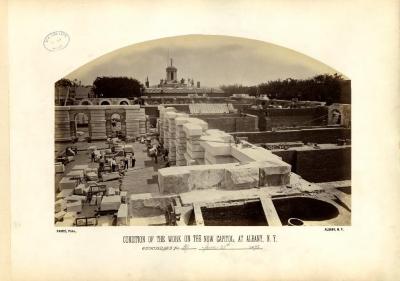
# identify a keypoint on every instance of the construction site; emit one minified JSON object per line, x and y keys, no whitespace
{"x":229,"y":163}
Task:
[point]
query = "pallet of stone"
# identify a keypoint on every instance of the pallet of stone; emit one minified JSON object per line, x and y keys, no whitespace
{"x":67,"y":183}
{"x":110,"y":176}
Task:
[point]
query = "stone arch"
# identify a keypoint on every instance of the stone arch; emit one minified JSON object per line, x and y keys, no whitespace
{"x":73,"y":116}
{"x":124,"y":102}
{"x":105,"y":102}
{"x":85,"y":102}
{"x":336,"y":117}
{"x":113,"y":127}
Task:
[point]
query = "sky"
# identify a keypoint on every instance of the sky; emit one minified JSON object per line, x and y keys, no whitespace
{"x":212,"y":60}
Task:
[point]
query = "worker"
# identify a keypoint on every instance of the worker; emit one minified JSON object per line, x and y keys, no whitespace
{"x":126,"y":162}
{"x":93,"y":156}
{"x":101,"y":163}
{"x":165,"y":154}
{"x":133,"y":160}
{"x":113,"y":164}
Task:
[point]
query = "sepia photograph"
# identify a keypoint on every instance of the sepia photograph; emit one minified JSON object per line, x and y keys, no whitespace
{"x":202,"y":130}
{"x":199,"y":140}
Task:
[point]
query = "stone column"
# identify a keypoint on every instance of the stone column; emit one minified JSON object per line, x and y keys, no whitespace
{"x":62,"y":124}
{"x":180,"y":140}
{"x":98,"y":122}
{"x":133,"y":118}
{"x":194,"y":152}
{"x":170,"y":136}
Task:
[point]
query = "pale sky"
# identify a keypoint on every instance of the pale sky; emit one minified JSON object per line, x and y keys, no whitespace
{"x":212,"y":60}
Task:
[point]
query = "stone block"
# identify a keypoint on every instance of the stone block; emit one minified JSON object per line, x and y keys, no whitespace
{"x":74,"y":206}
{"x":192,"y":129}
{"x":110,"y":176}
{"x":77,"y":174}
{"x":60,"y":205}
{"x":67,"y":183}
{"x":59,"y":167}
{"x":80,"y":167}
{"x":173,"y":179}
{"x":59,"y":215}
{"x":110,"y":203}
{"x":73,"y":198}
{"x":122,"y":214}
{"x":196,"y":154}
{"x":79,"y":189}
{"x":241,"y":177}
{"x":203,"y":177}
{"x":64,"y":193}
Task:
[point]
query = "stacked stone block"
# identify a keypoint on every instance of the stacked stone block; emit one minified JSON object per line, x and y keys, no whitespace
{"x":98,"y":123}
{"x":194,"y":152}
{"x":167,"y":132}
{"x":135,"y":121}
{"x":180,"y":140}
{"x":170,"y":119}
{"x":217,"y":145}
{"x":164,"y":124}
{"x":62,"y":125}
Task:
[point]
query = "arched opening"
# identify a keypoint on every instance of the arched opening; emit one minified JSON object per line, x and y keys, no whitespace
{"x":85,"y":102}
{"x":105,"y":102}
{"x":81,"y":126}
{"x":116,"y":124}
{"x":124,"y":102}
{"x":336,"y":117}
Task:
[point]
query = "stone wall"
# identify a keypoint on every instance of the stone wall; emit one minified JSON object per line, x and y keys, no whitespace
{"x":211,"y":159}
{"x":133,"y":120}
{"x":230,"y":122}
{"x":319,"y":165}
{"x":317,"y":135}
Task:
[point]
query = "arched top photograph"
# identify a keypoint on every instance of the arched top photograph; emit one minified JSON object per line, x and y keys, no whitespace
{"x":213,"y":130}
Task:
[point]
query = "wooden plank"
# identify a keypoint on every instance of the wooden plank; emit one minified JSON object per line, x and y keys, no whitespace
{"x":198,"y":215}
{"x":270,"y":211}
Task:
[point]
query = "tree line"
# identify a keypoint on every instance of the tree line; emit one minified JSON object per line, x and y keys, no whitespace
{"x":109,"y":87}
{"x":325,"y":87}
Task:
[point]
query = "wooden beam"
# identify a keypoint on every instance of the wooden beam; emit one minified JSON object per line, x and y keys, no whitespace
{"x":270,"y":212}
{"x":198,"y":215}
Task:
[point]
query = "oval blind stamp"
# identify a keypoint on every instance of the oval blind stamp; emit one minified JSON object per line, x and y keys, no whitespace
{"x":56,"y":41}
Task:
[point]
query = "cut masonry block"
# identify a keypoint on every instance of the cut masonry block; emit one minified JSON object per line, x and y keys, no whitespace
{"x":110,"y":203}
{"x":67,"y":183}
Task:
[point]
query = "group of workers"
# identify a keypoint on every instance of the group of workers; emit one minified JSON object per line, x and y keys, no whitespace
{"x":158,"y":150}
{"x":128,"y":159}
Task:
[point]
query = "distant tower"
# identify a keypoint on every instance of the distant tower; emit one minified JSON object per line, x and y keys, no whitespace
{"x":147,"y":82}
{"x":171,"y":73}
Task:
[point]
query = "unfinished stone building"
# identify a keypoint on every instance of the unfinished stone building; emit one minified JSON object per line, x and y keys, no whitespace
{"x":224,"y":171}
